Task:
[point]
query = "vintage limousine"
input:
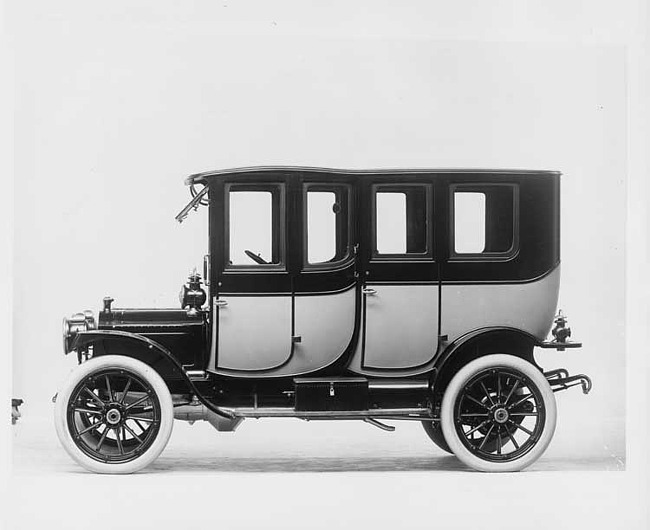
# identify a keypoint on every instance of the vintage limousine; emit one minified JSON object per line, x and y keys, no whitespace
{"x":414,"y":295}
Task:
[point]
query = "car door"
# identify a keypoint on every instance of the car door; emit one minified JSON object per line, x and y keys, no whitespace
{"x":325,"y":281}
{"x":400,"y":289}
{"x":252,"y":313}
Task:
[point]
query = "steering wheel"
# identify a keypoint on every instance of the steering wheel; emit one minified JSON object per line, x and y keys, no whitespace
{"x":256,"y":258}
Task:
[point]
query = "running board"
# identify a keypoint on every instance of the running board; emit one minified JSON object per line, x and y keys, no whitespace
{"x":290,"y":412}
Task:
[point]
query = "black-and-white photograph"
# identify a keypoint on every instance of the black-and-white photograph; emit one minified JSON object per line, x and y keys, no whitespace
{"x":338,"y":265}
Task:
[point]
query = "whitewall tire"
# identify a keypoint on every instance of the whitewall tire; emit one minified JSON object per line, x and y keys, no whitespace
{"x":498,"y":414}
{"x":114,"y":414}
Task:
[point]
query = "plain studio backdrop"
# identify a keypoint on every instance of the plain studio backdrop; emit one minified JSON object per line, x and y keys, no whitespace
{"x":113,"y":111}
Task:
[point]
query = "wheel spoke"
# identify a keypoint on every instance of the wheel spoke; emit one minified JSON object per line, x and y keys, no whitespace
{"x":132,"y":433}
{"x":101,"y":440}
{"x":512,"y":438}
{"x":512,"y":391}
{"x":487,"y":434}
{"x":119,"y":441}
{"x":472,"y":398}
{"x":136,"y":418}
{"x":126,"y":390}
{"x":525,"y":398}
{"x":108,"y":388}
{"x":88,"y":411}
{"x":138,"y":424}
{"x":482,"y":424}
{"x":95,"y":397}
{"x":475,"y":415}
{"x":529,"y":433}
{"x":141,"y":400}
{"x":487,"y":393}
{"x":498,"y":387}
{"x":499,"y":446}
{"x":523,"y":414}
{"x":89,"y":428}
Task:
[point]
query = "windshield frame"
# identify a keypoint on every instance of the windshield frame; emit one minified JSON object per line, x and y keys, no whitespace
{"x":194,"y":204}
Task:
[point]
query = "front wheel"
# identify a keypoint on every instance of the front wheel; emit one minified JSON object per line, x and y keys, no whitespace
{"x":114,"y":415}
{"x":498,"y":413}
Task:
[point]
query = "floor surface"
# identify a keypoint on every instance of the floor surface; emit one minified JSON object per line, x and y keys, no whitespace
{"x":289,"y":473}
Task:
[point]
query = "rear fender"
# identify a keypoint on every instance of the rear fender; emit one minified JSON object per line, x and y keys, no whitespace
{"x":478,"y":343}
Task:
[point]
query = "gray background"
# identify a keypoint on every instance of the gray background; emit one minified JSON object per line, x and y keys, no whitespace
{"x":115,"y":106}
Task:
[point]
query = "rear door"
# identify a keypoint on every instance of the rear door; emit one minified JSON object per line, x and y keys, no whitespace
{"x":400,"y":289}
{"x":325,"y":280}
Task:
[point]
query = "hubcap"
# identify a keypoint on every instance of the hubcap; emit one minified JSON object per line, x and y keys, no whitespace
{"x":113,"y":416}
{"x":501,"y":415}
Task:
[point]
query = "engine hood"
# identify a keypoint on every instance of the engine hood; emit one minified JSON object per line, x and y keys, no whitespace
{"x":145,"y":318}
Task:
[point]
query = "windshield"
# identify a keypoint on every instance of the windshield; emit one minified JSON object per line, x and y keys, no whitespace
{"x":198,"y":199}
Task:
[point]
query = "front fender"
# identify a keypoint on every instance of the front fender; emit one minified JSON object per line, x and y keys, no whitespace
{"x":113,"y":342}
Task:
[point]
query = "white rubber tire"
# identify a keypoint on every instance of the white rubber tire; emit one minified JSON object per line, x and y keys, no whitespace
{"x":142,"y":370}
{"x":458,"y":383}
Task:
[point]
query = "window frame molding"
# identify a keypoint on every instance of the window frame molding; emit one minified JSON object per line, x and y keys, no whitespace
{"x":398,"y":187}
{"x":474,"y":187}
{"x":348,"y":254}
{"x":278,"y":241}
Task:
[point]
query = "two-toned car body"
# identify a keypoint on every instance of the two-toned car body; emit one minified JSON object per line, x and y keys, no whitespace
{"x":415,"y":295}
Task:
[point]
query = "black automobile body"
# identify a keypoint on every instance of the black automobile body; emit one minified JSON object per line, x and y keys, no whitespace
{"x":393,"y":315}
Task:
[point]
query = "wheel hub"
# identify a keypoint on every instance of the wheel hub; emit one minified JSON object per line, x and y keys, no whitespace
{"x":501,"y":415}
{"x":113,"y":416}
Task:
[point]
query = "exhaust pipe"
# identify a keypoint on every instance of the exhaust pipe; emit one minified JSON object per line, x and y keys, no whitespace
{"x":196,"y":411}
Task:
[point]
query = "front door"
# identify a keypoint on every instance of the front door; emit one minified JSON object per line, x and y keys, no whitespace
{"x":252,"y":314}
{"x":400,"y":290}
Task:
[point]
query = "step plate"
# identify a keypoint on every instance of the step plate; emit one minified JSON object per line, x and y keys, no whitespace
{"x":350,"y":394}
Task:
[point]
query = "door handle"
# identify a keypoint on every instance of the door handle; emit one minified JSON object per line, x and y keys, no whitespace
{"x":220,"y":303}
{"x":368,"y":290}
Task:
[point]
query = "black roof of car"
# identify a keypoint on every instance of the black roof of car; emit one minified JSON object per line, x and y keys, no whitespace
{"x":206,"y":175}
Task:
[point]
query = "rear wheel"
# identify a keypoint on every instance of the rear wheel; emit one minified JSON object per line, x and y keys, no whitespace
{"x":498,"y":413}
{"x":114,"y":415}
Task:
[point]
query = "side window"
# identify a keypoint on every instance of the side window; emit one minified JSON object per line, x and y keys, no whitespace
{"x":484,"y":221}
{"x":254,"y":226}
{"x":327,"y":227}
{"x":402,"y":221}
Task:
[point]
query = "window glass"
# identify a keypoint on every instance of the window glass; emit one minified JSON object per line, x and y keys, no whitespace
{"x":321,"y":226}
{"x":327,"y":229}
{"x":401,"y":221}
{"x":391,"y":223}
{"x":469,"y":222}
{"x":484,"y":220}
{"x":251,"y":228}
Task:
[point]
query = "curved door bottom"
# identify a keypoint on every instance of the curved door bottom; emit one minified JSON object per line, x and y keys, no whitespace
{"x":253,"y":333}
{"x":401,"y":326}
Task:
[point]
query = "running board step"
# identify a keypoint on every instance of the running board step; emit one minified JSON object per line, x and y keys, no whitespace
{"x":334,"y":394}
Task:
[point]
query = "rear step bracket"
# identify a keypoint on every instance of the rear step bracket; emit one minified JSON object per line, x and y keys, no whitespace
{"x":561,"y":380}
{"x":379,"y":424}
